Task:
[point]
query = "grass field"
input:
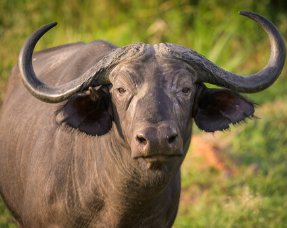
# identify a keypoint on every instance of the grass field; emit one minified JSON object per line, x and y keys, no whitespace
{"x":255,"y":194}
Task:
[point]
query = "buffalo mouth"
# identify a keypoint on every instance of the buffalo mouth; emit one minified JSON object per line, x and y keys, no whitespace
{"x":160,"y":158}
{"x":158,"y":161}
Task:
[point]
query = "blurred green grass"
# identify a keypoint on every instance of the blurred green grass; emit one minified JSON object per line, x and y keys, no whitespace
{"x":214,"y":29}
{"x":249,"y":198}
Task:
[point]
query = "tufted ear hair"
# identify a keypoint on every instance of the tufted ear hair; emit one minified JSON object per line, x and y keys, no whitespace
{"x":216,"y":109}
{"x":89,"y":112}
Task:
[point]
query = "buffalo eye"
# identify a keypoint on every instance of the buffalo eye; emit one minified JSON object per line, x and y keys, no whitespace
{"x":185,"y":90}
{"x":121,"y":90}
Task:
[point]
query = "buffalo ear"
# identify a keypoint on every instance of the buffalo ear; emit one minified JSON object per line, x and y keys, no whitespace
{"x":88,"y":111}
{"x":216,"y":109}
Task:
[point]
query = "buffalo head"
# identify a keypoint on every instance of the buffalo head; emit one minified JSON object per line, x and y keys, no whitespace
{"x":152,"y":92}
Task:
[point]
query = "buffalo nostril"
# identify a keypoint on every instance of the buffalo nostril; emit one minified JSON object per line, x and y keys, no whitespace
{"x":141,"y":140}
{"x":172,"y":138}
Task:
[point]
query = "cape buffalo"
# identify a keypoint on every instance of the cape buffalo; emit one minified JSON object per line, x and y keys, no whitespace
{"x":109,"y":154}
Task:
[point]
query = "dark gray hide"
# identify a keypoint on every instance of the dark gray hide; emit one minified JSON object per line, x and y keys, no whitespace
{"x":109,"y":154}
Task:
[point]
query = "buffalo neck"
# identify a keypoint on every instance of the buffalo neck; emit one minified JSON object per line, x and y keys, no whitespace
{"x":127,"y":185}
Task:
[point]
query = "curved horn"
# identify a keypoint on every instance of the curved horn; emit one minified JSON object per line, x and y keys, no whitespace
{"x":93,"y":77}
{"x":213,"y":74}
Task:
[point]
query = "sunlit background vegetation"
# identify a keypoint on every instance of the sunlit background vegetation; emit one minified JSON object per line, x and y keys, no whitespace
{"x":254,"y":194}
